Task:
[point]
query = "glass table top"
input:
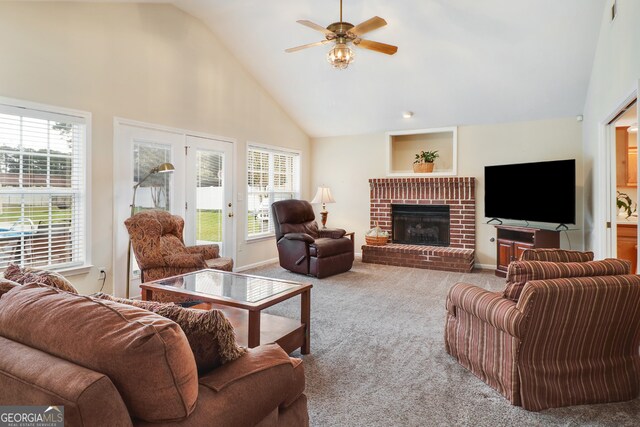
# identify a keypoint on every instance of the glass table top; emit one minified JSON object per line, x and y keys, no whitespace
{"x":236,"y":287}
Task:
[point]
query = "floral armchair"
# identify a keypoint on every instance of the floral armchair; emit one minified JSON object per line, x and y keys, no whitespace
{"x":158,"y":245}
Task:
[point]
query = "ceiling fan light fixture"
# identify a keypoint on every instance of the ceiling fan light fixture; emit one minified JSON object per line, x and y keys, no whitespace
{"x":340,"y":56}
{"x":346,"y":35}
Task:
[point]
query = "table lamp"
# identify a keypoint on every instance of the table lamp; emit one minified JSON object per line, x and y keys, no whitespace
{"x":323,"y":196}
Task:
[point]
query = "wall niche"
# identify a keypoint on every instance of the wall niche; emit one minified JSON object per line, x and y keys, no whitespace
{"x":402,"y":146}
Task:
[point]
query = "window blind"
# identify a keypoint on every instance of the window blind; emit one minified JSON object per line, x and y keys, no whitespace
{"x":272,"y":175}
{"x":42,"y":188}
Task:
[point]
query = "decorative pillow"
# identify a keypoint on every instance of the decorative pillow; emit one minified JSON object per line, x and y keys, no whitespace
{"x":7,"y":285}
{"x":25,"y":276}
{"x":520,"y":272}
{"x":211,"y":337}
{"x":555,"y":255}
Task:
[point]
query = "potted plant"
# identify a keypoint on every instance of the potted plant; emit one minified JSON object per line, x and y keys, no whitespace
{"x":424,"y":161}
{"x":623,"y":202}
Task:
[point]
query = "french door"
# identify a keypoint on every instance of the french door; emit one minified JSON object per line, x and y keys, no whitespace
{"x":199,"y":189}
{"x":209,"y":206}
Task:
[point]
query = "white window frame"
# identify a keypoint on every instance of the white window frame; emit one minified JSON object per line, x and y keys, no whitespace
{"x":44,"y":111}
{"x":272,"y":149}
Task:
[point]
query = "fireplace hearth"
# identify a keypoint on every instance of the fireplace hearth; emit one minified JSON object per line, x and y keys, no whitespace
{"x":420,"y":224}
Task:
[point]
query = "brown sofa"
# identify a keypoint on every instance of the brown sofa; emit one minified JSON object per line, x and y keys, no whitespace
{"x":111,"y":364}
{"x":305,"y":249}
{"x":158,"y":245}
{"x":561,"y":333}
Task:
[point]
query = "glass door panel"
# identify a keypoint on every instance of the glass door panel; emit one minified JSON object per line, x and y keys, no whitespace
{"x":155,"y":191}
{"x":209,"y":196}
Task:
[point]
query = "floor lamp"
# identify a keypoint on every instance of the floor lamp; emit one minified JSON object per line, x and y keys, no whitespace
{"x":162,"y":168}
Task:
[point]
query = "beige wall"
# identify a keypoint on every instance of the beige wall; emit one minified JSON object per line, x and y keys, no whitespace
{"x":151,"y":63}
{"x":614,"y":78}
{"x":346,"y":163}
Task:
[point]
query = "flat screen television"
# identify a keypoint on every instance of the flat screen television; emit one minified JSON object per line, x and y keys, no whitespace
{"x":540,"y":192}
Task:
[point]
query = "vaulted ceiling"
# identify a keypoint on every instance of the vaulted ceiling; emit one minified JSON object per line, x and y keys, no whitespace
{"x":459,"y":61}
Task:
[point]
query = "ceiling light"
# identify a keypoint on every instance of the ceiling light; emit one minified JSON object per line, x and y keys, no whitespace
{"x":407,"y":114}
{"x":340,"y":56}
{"x":344,"y":34}
{"x":633,"y":128}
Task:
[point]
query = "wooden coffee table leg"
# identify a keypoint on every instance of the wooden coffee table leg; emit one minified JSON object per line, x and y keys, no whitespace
{"x":254,"y":329}
{"x":306,"y":319}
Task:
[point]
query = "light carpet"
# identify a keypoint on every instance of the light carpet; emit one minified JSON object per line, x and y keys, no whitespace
{"x":378,"y":358}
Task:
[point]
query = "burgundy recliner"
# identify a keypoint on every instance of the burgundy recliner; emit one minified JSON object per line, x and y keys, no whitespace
{"x":303,"y":247}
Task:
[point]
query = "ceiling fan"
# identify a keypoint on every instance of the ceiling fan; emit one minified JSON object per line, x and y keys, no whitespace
{"x":343,"y":34}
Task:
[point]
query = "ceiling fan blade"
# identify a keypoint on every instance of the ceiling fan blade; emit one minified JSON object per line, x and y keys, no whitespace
{"x":378,"y":47}
{"x":316,"y":27}
{"x":304,"y":46}
{"x":368,"y":25}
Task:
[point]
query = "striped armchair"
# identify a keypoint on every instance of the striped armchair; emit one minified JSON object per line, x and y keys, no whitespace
{"x":571,"y":337}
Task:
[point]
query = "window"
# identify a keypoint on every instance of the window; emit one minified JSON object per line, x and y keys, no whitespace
{"x":272,"y":175}
{"x":42,"y":186}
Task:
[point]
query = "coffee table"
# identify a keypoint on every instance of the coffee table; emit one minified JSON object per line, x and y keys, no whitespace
{"x":242,"y":298}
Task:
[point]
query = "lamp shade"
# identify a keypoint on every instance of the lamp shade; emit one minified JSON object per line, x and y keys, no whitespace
{"x":163,"y":168}
{"x":323,"y":196}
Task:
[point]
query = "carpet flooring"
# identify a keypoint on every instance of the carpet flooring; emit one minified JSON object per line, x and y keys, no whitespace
{"x":378,"y":358}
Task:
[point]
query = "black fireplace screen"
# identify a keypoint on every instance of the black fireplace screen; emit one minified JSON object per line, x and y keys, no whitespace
{"x":420,"y":224}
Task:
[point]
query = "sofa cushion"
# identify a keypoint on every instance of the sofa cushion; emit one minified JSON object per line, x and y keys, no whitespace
{"x":32,"y":377}
{"x":521,"y":272}
{"x":248,"y":390}
{"x":245,"y":391}
{"x":6,"y":285}
{"x":555,"y":255}
{"x":211,"y":337}
{"x":28,"y":275}
{"x":326,"y":247}
{"x":146,"y":356}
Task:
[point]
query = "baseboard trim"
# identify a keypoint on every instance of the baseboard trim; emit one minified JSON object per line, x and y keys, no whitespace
{"x":270,"y":261}
{"x":485,"y":266}
{"x":255,"y":264}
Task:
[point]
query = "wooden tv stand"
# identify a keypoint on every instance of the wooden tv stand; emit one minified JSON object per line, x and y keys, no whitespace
{"x":513,"y":240}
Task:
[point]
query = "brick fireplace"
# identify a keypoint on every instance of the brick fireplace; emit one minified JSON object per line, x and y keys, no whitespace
{"x":456,"y":193}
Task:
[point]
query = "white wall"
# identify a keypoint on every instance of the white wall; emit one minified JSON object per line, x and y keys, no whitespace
{"x":614,"y":77}
{"x":345,"y":164}
{"x":146,"y":62}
